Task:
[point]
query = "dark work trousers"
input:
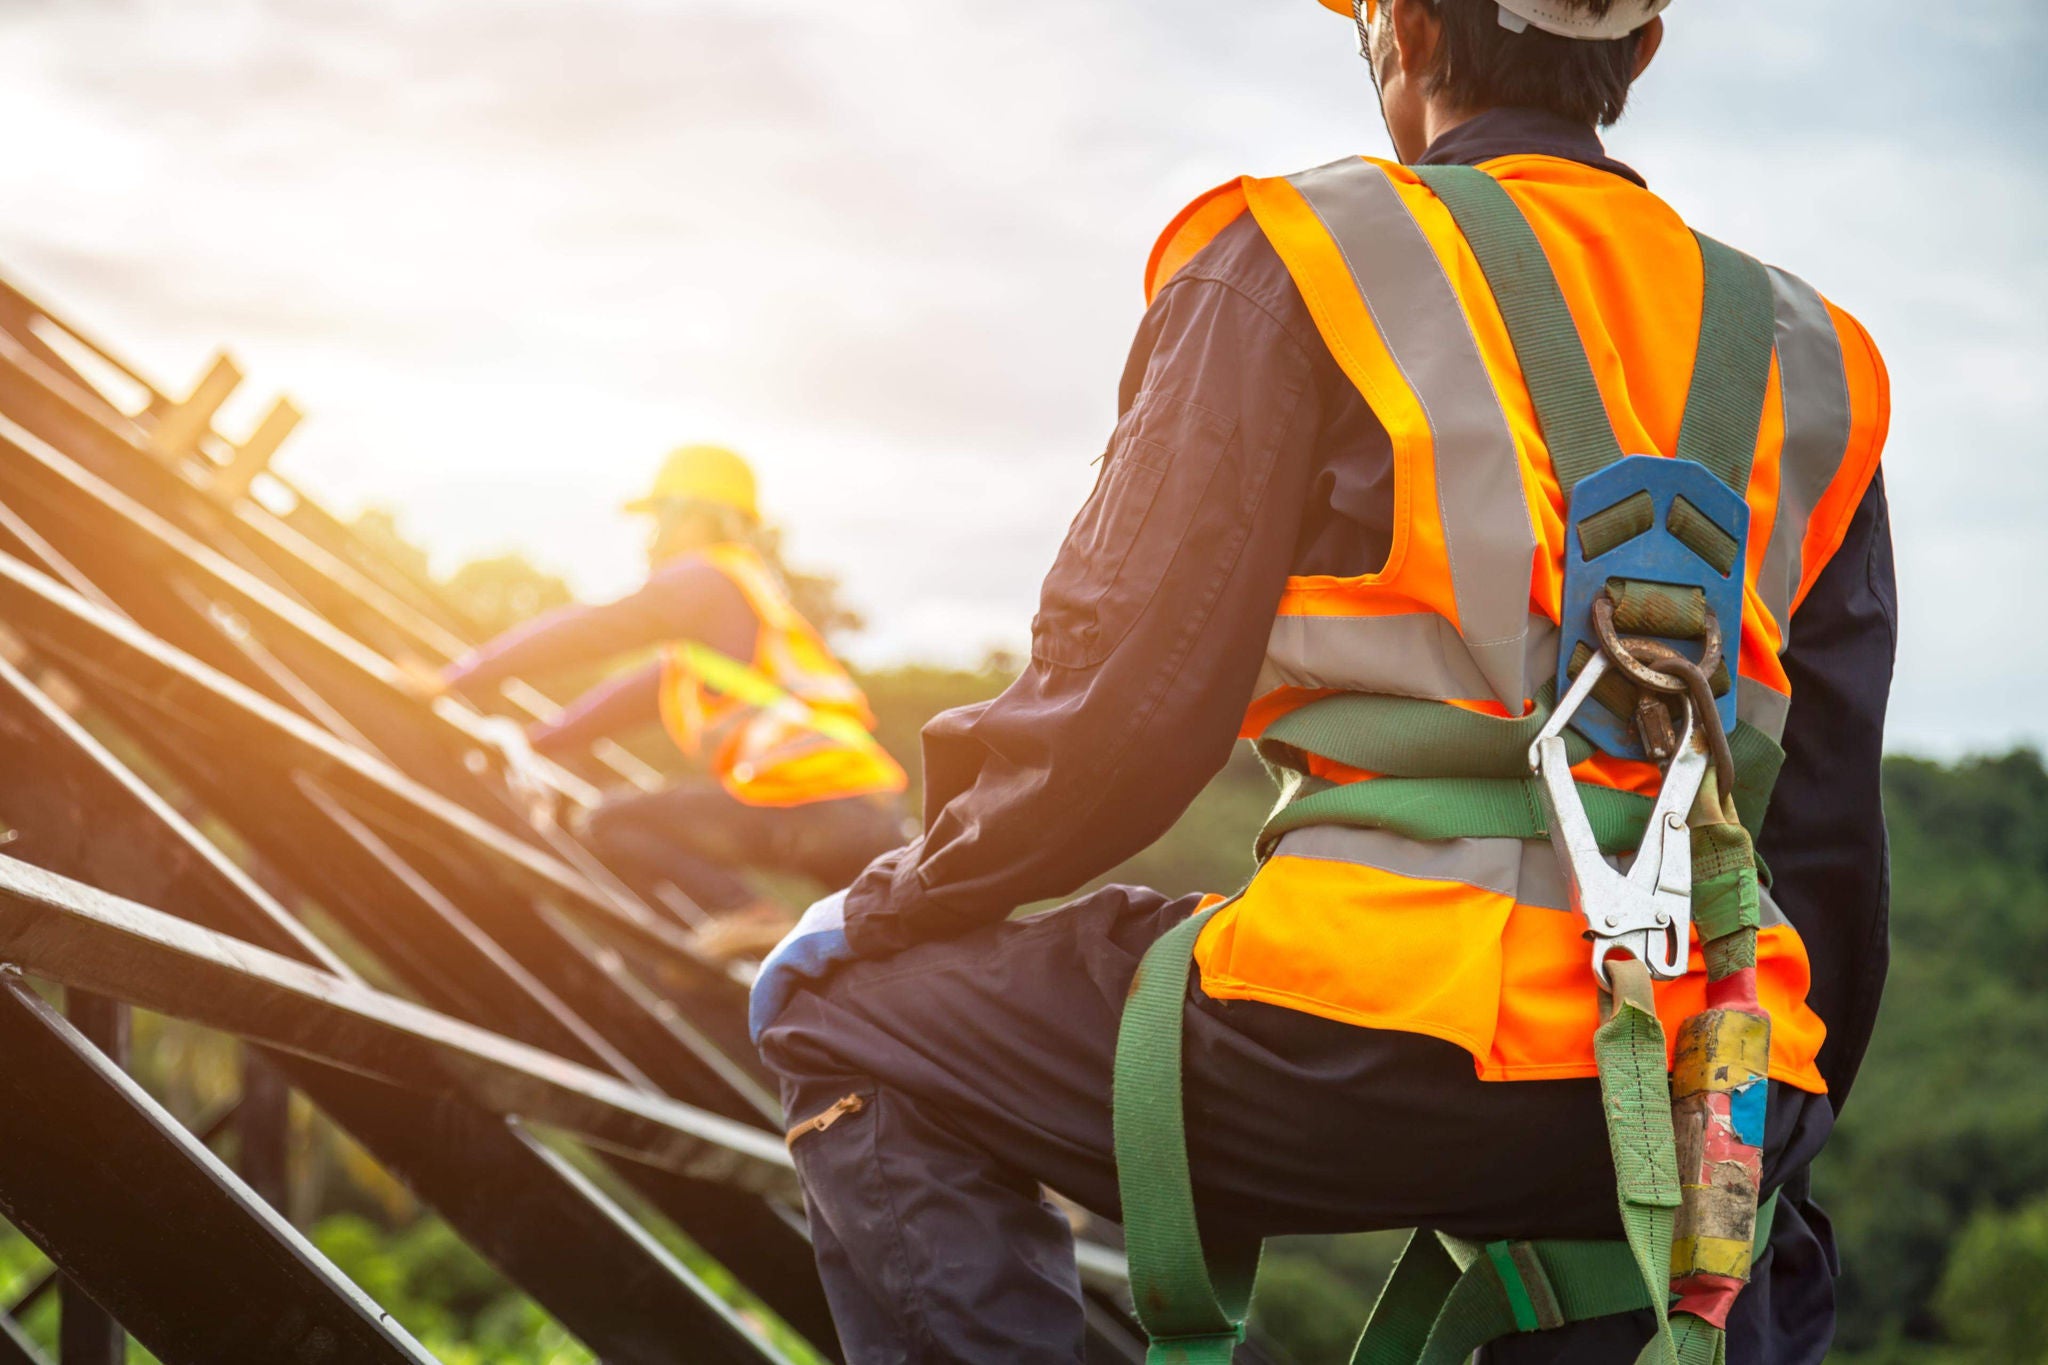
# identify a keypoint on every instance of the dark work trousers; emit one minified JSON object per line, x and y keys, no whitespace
{"x":696,"y":836}
{"x":983,"y":1065}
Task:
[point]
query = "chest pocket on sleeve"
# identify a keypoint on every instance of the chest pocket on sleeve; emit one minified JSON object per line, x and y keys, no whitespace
{"x":1116,"y":554}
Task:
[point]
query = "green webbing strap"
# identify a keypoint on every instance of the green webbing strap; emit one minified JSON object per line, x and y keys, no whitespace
{"x":1732,"y":370}
{"x":1367,"y":731}
{"x":1448,"y":1297}
{"x":1635,"y":1091}
{"x":1193,"y":1309}
{"x":1435,"y":808}
{"x":1539,"y":322}
{"x":1410,"y":737}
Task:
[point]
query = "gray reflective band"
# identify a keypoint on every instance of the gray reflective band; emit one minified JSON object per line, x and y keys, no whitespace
{"x":1504,"y":867}
{"x":1816,"y":390}
{"x":1526,"y":871}
{"x":1771,"y":916}
{"x":1762,"y":707}
{"x":1416,"y":654}
{"x":1488,"y":536}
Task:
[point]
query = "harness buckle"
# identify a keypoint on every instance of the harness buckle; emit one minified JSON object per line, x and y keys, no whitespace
{"x":1645,"y":912}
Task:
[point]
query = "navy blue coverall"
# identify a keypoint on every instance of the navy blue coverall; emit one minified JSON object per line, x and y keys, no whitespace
{"x":981,"y":1047}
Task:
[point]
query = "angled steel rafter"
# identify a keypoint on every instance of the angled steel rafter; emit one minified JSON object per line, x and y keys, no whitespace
{"x":39,"y":606}
{"x":305,"y":552}
{"x":165,"y":1236}
{"x":343,"y":851}
{"x":82,"y":937}
{"x":242,"y":647}
{"x":74,"y":808}
{"x":389,"y":802}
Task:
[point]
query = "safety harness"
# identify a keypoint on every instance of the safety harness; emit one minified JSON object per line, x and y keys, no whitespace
{"x":1653,"y":570}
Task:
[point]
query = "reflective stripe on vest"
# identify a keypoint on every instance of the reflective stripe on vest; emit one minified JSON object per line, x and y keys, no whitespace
{"x":1464,"y":939}
{"x":1477,"y":484}
{"x":1817,"y":434}
{"x":788,"y":728}
{"x":1525,"y":869}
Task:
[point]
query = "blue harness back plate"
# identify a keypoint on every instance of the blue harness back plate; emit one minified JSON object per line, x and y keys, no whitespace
{"x":1654,"y":556}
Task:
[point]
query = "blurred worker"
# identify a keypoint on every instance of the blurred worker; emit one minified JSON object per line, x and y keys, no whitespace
{"x":1337,"y":483}
{"x":795,"y":783}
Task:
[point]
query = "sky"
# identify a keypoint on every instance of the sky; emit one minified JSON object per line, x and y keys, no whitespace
{"x":506,"y":253}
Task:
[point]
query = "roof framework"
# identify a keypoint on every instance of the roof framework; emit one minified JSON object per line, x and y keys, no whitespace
{"x":221,"y":804}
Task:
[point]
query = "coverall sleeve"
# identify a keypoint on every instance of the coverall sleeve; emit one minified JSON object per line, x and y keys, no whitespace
{"x":1824,"y":837}
{"x":685,"y":600}
{"x":1151,"y":631}
{"x":614,"y":706}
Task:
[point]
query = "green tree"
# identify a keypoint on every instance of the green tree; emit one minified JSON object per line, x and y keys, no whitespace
{"x":1994,"y":1294}
{"x":1949,"y":1112}
{"x":501,"y":592}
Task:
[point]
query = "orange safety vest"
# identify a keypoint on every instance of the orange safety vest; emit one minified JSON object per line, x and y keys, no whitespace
{"x":787,"y":727}
{"x":1472,"y":940}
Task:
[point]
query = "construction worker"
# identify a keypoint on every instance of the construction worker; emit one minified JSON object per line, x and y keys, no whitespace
{"x":746,"y":688}
{"x":1337,"y":482}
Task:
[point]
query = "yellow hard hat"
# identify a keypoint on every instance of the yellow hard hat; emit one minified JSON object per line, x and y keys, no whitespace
{"x":702,"y":474}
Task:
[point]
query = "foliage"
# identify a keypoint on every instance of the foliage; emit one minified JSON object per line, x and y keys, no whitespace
{"x":445,"y":1294}
{"x":1315,"y":1293}
{"x":1994,"y":1295}
{"x":500,"y":592}
{"x":1949,"y":1113}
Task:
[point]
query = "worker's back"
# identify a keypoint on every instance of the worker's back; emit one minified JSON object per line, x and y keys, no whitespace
{"x":1371,"y":502}
{"x":1472,"y":940}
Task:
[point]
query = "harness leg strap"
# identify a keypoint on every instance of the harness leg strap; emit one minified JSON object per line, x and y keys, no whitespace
{"x":1192,"y":1300}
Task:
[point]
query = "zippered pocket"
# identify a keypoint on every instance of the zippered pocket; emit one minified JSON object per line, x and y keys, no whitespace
{"x":818,"y":1123}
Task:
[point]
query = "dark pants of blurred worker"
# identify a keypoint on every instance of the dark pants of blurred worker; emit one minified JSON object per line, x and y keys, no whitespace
{"x":981,"y":1067}
{"x":697,"y":837}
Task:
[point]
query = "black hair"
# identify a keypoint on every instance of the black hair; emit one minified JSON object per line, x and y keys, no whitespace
{"x":1483,"y":65}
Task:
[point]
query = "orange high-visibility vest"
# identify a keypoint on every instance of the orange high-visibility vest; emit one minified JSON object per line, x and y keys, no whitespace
{"x":1472,"y":940}
{"x":785,"y":728}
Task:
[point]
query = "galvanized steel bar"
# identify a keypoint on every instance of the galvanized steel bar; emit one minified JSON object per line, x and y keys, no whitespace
{"x":83,"y":937}
{"x":155,"y":1226}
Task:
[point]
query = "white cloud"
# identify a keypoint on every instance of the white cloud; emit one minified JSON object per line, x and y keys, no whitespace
{"x":507,"y":251}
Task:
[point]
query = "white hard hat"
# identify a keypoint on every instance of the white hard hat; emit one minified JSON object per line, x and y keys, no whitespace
{"x":1561,"y":17}
{"x":1568,"y":20}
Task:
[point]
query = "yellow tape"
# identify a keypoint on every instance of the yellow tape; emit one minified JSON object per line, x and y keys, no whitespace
{"x":1720,"y":1051}
{"x":1710,"y":1256}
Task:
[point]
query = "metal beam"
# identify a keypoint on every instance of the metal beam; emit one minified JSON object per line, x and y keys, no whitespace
{"x":15,"y":1346}
{"x":152,"y":1224}
{"x":79,"y":812}
{"x":87,"y":1333}
{"x":608,"y":1281}
{"x":363,"y":681}
{"x":85,"y":938}
{"x":90,"y":638}
{"x":263,"y":1132}
{"x":47,"y":1283}
{"x":348,"y":675}
{"x":711,"y":1062}
{"x":75,"y":809}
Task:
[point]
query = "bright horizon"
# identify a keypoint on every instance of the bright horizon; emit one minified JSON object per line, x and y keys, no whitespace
{"x":506,"y":253}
